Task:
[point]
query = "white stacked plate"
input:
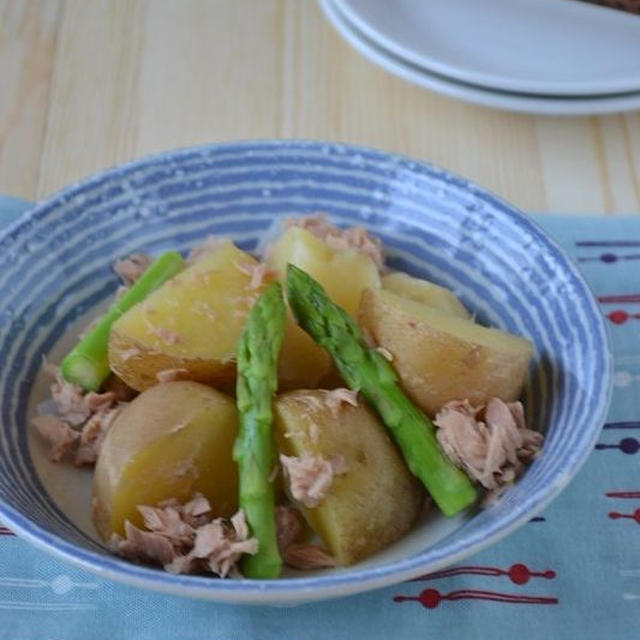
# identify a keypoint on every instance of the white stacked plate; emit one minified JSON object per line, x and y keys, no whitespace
{"x":535,"y":56}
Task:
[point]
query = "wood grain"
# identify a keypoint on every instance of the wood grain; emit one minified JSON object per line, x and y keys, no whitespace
{"x":85,"y":85}
{"x":27,"y":41}
{"x":94,"y":108}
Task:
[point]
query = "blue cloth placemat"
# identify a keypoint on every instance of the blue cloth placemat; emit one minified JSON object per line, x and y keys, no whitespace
{"x":11,"y":208}
{"x":573,"y":572}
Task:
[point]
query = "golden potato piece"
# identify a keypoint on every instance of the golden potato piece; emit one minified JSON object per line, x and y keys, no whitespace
{"x":424,"y":291}
{"x":333,"y":379}
{"x":302,"y":363}
{"x":190,"y":325}
{"x":377,"y":500}
{"x":344,"y":274}
{"x":440,"y":357}
{"x":171,"y":441}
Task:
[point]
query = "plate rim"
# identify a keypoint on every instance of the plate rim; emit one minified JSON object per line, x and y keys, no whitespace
{"x":490,"y":82}
{"x":465,"y":92}
{"x":351,"y":581}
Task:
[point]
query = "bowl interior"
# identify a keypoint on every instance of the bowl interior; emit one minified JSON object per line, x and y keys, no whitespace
{"x":55,"y":266}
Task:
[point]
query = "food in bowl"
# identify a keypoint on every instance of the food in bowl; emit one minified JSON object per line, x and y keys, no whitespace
{"x":388,"y":394}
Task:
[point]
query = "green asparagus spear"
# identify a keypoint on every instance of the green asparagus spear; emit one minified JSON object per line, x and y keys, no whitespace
{"x":365,"y":370}
{"x":254,"y":451}
{"x":87,"y":364}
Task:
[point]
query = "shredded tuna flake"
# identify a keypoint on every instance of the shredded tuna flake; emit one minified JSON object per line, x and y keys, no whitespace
{"x":99,"y":401}
{"x":184,"y":538}
{"x":58,"y":434}
{"x":93,"y":434}
{"x":288,"y":526}
{"x":201,"y":307}
{"x":335,"y":398}
{"x":321,"y":399}
{"x":167,"y":522}
{"x":127,"y":354}
{"x":142,"y":546}
{"x":257,"y":272}
{"x":131,"y":268}
{"x":68,"y":397}
{"x":210,"y":244}
{"x":165,"y":335}
{"x":82,"y":420}
{"x":310,"y":476}
{"x":490,"y":442}
{"x":246,"y":268}
{"x":170,"y":375}
{"x":197,"y":506}
{"x":314,"y":432}
{"x":340,"y":239}
{"x":239,"y":523}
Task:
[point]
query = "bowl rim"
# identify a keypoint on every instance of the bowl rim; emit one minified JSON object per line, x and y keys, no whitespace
{"x":351,"y":580}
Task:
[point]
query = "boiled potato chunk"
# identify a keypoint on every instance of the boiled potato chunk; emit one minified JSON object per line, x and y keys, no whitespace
{"x":424,"y":291}
{"x":171,"y":441}
{"x":343,"y":274}
{"x":333,"y":379}
{"x":376,"y":501}
{"x":191,"y":324}
{"x":302,"y":363}
{"x":439,"y":357}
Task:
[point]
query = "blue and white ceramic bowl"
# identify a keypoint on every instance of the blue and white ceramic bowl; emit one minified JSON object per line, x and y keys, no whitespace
{"x":55,"y":272}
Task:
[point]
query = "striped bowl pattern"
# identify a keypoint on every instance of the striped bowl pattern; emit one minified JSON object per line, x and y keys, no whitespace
{"x":55,"y":265}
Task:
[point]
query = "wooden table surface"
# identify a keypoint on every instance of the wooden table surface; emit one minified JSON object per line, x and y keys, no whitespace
{"x":85,"y":84}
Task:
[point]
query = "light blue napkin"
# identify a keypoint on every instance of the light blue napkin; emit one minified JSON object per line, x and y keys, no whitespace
{"x":572,"y":573}
{"x":11,"y":208}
